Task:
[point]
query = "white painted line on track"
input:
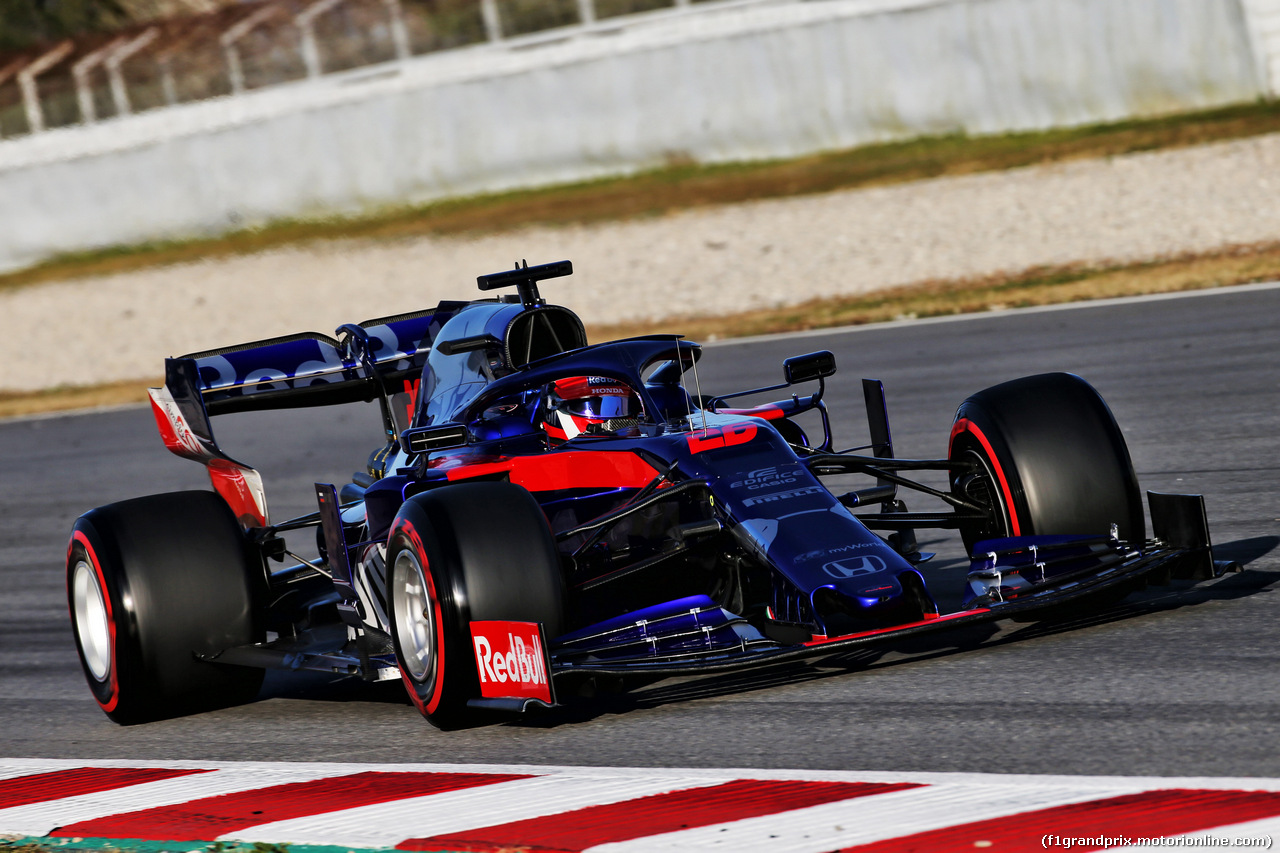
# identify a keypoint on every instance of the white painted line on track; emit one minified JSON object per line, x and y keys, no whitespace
{"x":10,"y":769}
{"x":1001,"y":314}
{"x":322,"y":768}
{"x":837,"y":330}
{"x":92,"y":410}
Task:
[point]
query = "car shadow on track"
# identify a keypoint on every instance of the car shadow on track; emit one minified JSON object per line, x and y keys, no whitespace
{"x":324,"y":687}
{"x":1177,"y":595}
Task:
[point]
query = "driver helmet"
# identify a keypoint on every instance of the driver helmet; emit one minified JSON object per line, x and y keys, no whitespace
{"x":596,"y":405}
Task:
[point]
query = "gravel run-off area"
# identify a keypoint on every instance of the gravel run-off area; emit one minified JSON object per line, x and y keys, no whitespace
{"x":707,"y":261}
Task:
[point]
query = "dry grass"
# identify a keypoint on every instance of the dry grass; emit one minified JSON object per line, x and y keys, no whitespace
{"x":684,"y":186}
{"x":1236,"y":265}
{"x":15,"y":403}
{"x":1041,"y":286}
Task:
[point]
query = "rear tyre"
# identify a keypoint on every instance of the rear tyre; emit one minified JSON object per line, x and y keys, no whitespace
{"x":463,"y":553}
{"x":151,"y":584}
{"x":1051,"y":460}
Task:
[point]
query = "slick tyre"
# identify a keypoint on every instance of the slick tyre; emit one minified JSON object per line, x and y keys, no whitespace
{"x":463,"y":553}
{"x":152,"y":584}
{"x":1051,"y":460}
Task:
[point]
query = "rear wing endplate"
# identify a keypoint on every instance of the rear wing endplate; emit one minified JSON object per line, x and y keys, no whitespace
{"x":374,"y":359}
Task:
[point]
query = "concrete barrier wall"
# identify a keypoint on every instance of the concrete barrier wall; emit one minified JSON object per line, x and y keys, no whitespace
{"x":753,"y":83}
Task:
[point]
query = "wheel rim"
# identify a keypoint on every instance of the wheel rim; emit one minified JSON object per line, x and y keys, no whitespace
{"x":415,"y":616}
{"x":982,"y":488}
{"x":93,"y":626}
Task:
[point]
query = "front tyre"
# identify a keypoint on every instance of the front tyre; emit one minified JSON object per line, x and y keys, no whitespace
{"x":1050,"y":459}
{"x":463,"y":553}
{"x":152,"y":584}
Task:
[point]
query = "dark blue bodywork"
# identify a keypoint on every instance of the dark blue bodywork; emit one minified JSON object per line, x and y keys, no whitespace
{"x":700,"y":537}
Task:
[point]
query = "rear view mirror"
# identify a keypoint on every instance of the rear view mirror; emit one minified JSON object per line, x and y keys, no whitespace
{"x":814,"y":365}
{"x":429,"y":438}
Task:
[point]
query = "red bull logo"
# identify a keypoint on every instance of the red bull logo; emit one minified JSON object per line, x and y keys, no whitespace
{"x":511,"y":660}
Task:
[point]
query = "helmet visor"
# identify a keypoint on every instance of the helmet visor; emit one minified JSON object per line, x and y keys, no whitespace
{"x":604,"y":407}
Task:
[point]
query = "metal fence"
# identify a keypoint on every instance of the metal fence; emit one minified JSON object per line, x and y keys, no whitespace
{"x":252,"y":45}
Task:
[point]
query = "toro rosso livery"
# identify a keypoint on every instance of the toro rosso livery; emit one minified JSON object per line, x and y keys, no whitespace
{"x":544,"y":512}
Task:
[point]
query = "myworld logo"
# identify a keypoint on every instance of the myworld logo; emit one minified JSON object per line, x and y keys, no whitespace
{"x":853,"y":566}
{"x":830,"y":552}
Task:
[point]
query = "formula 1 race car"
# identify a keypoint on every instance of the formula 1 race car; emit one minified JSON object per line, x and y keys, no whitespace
{"x":546,"y":512}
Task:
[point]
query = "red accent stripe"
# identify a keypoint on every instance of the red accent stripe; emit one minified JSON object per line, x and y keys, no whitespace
{"x":205,"y":819}
{"x":769,"y":412}
{"x":822,"y":639}
{"x":966,"y":425}
{"x":228,"y":479}
{"x":1108,"y":822}
{"x":55,"y":785}
{"x":169,"y":430}
{"x":567,"y":469}
{"x":670,"y":812}
{"x":112,"y":677}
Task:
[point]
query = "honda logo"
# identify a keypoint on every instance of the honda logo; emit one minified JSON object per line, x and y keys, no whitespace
{"x":854,"y":566}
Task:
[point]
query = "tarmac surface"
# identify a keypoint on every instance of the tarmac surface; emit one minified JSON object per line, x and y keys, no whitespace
{"x":1177,"y":680}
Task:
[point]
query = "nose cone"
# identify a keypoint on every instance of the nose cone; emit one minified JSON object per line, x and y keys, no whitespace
{"x":864,"y":582}
{"x":864,"y":603}
{"x":864,"y":593}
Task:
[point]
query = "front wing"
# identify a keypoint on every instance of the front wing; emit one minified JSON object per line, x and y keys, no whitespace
{"x":1157,"y":561}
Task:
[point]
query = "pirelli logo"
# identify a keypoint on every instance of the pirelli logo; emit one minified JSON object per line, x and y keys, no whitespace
{"x":784,"y":496}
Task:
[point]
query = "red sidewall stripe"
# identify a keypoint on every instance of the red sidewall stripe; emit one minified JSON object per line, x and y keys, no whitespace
{"x":966,"y":425}
{"x":428,"y":706}
{"x":112,"y":675}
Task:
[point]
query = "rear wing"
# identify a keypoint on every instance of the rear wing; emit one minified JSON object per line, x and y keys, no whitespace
{"x":376,"y":359}
{"x":310,"y":369}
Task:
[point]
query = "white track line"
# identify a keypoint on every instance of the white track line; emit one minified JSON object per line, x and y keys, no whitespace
{"x":10,"y":769}
{"x":1002,"y":313}
{"x":841,"y":330}
{"x":318,"y":769}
